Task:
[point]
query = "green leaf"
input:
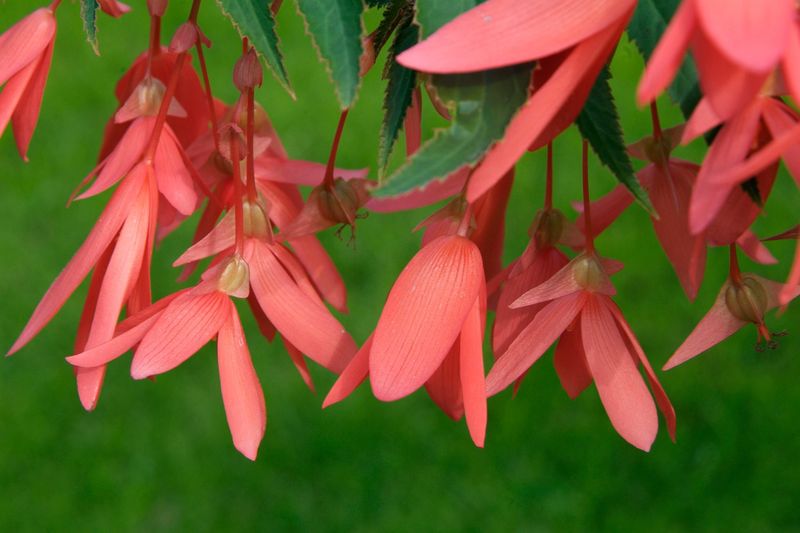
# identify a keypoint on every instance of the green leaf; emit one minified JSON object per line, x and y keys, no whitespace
{"x":253,"y":19}
{"x":645,"y":29}
{"x":599,"y":124}
{"x":89,"y":16}
{"x":335,"y":28}
{"x":398,"y":92}
{"x":481,"y":105}
{"x":433,"y":14}
{"x":397,"y":13}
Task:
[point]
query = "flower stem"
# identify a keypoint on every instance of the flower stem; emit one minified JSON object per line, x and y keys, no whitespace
{"x":657,"y":133}
{"x":209,"y":94}
{"x":237,"y":192}
{"x":548,"y":191}
{"x":587,"y":214}
{"x":252,"y":195}
{"x":735,"y":273}
{"x":328,"y":181}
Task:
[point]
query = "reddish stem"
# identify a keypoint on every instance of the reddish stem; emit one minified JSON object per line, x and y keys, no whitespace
{"x":548,"y":191}
{"x":656,"y":122}
{"x":55,"y":5}
{"x":237,"y":192}
{"x":463,"y":226}
{"x":252,"y":195}
{"x":587,"y":214}
{"x":209,"y":95}
{"x":735,"y":273}
{"x":194,"y":11}
{"x":161,"y":118}
{"x":154,"y":46}
{"x":328,"y":181}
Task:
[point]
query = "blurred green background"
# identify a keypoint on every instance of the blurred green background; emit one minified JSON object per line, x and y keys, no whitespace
{"x":158,"y":456}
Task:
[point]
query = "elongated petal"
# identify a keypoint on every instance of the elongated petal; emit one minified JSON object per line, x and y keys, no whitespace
{"x":715,"y":327}
{"x":184,"y":327}
{"x":174,"y":179}
{"x":570,"y":363}
{"x":534,"y":340}
{"x":561,"y":284}
{"x":12,"y":93}
{"x":444,"y":385}
{"x":352,"y":376}
{"x":497,"y":33}
{"x":668,"y":54}
{"x":241,"y":391}
{"x":791,"y":64}
{"x":751,"y":245}
{"x":751,"y":34}
{"x":304,"y":321}
{"x":473,"y":383}
{"x":99,"y":238}
{"x":625,"y":397}
{"x":433,"y":192}
{"x":27,"y":113}
{"x":606,"y":210}
{"x":298,"y":172}
{"x":490,"y":217}
{"x":423,"y":315}
{"x":702,"y":120}
{"x":739,"y":211}
{"x":779,"y":120}
{"x":108,"y":351}
{"x":662,"y":400}
{"x":299,"y":361}
{"x":222,"y":237}
{"x":25,"y":41}
{"x":583,"y":62}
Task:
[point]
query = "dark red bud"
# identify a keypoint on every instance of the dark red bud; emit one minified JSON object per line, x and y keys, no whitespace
{"x":247,"y":73}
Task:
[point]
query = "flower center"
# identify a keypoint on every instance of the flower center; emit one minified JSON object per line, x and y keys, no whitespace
{"x":235,"y":276}
{"x":588,"y":272}
{"x":256,"y":223}
{"x":547,"y":227}
{"x":747,"y":300}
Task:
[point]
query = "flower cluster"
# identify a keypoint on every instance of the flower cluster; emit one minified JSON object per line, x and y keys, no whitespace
{"x":171,"y":149}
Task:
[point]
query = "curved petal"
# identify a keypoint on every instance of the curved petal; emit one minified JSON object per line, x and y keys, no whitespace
{"x":299,"y":361}
{"x":751,"y":34}
{"x":625,"y":397}
{"x":534,"y":340}
{"x":750,"y":244}
{"x":187,"y":324}
{"x":570,"y":363}
{"x":174,"y":179}
{"x":431,"y":193}
{"x":561,"y":284}
{"x":13,"y":93}
{"x":423,"y":315}
{"x":242,"y":396}
{"x":27,"y":113}
{"x":498,"y":33}
{"x":473,"y":384}
{"x":298,"y":172}
{"x":444,"y":385}
{"x":352,"y":376}
{"x":222,"y":237}
{"x":25,"y":41}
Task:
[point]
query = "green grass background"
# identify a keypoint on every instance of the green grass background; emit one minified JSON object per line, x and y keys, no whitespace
{"x":158,"y":456}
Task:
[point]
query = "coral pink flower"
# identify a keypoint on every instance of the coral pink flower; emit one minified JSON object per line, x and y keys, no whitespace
{"x":26,"y":50}
{"x":740,"y":301}
{"x":113,"y":8}
{"x":736,"y":45}
{"x":170,"y":332}
{"x":430,"y":333}
{"x":596,"y":344}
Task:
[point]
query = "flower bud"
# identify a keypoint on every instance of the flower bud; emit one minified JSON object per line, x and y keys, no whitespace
{"x":588,"y":272}
{"x":157,"y":7}
{"x":256,"y":222}
{"x":185,"y":38}
{"x":247,"y":72}
{"x":747,"y":300}
{"x":340,"y":203}
{"x":547,"y":227}
{"x":235,"y":277}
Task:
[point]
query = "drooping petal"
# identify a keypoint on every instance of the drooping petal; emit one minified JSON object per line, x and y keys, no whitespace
{"x":25,"y":41}
{"x":174,"y":179}
{"x":791,"y":64}
{"x":583,"y":62}
{"x":473,"y":384}
{"x":606,"y":210}
{"x":497,"y":33}
{"x":662,"y":400}
{"x":702,"y":120}
{"x":12,"y":93}
{"x":570,"y":362}
{"x":351,"y":377}
{"x":242,"y":396}
{"x":668,"y":54}
{"x":716,"y":326}
{"x":444,"y":385}
{"x":304,"y":321}
{"x":534,"y":340}
{"x":779,"y":120}
{"x":298,"y":172}
{"x":561,"y":284}
{"x":751,"y":34}
{"x":99,"y":238}
{"x":625,"y":397}
{"x":27,"y":113}
{"x":433,"y":192}
{"x":184,"y":327}
{"x":490,"y":217}
{"x":222,"y":237}
{"x":299,"y":361}
{"x":423,"y":315}
{"x":751,"y":245}
{"x":108,"y":351}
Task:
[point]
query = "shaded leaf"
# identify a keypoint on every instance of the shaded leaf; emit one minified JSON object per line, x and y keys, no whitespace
{"x":397,"y":13}
{"x":398,"y":92}
{"x":598,"y":123}
{"x":89,"y":17}
{"x":253,"y":20}
{"x":645,"y":29}
{"x":335,"y":28}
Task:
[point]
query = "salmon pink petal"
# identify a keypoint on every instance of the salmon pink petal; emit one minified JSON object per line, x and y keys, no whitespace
{"x":562,"y":283}
{"x":622,"y":390}
{"x":662,"y":400}
{"x":301,"y":319}
{"x":791,"y":63}
{"x":296,"y":271}
{"x":423,"y":315}
{"x":127,"y":153}
{"x":222,"y":237}
{"x":751,"y":34}
{"x":751,"y":245}
{"x":534,"y":340}
{"x":113,"y":8}
{"x":776,"y":291}
{"x":583,"y":62}
{"x":352,"y":376}
{"x":13,"y":92}
{"x":241,"y":391}
{"x":103,"y":232}
{"x":606,"y":210}
{"x":490,"y":219}
{"x":473,"y":383}
{"x":668,"y":54}
{"x":174,"y":179}
{"x":497,"y":33}
{"x":444,"y":385}
{"x":108,"y":351}
{"x":510,"y":321}
{"x":298,"y":359}
{"x":739,"y":211}
{"x":25,"y":41}
{"x":187,"y":324}
{"x":702,"y":120}
{"x":570,"y":363}
{"x":27,"y":113}
{"x":321,"y":270}
{"x":90,"y":384}
{"x":433,"y":192}
{"x":298,"y":172}
{"x":779,"y":120}
{"x":715,"y":327}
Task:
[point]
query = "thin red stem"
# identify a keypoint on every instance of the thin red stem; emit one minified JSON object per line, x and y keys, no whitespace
{"x":587,"y":214}
{"x":55,"y":5}
{"x":735,"y":273}
{"x":209,"y":95}
{"x":161,"y":118}
{"x":237,"y":192}
{"x":656,"y":122}
{"x":154,"y":46}
{"x":548,"y":191}
{"x":463,"y":226}
{"x":328,"y":181}
{"x":252,"y":194}
{"x":194,"y":11}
